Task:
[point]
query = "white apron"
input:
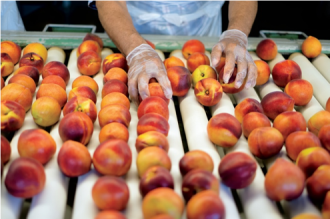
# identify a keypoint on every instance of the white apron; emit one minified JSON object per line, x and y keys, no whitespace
{"x":10,"y":16}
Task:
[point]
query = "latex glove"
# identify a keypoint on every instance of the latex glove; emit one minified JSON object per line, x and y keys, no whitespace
{"x":144,"y":63}
{"x":233,"y":43}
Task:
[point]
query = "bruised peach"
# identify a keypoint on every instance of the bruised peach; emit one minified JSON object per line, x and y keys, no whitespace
{"x":245,"y":107}
{"x":114,"y":113}
{"x":37,"y":48}
{"x":205,"y":204}
{"x":289,"y":122}
{"x":326,"y":206}
{"x":317,"y":121}
{"x":266,"y":49}
{"x":52,"y":90}
{"x":112,"y":157}
{"x":12,"y":49}
{"x":25,"y":178}
{"x":311,"y":47}
{"x":152,"y":156}
{"x":5,"y":150}
{"x":263,"y":72}
{"x":76,"y":126}
{"x":32,"y":59}
{"x":19,"y":94}
{"x":318,"y":184}
{"x":237,"y":170}
{"x":196,"y":59}
{"x":114,"y":130}
{"x":156,"y":90}
{"x":153,"y":122}
{"x":12,"y":116}
{"x":110,"y":193}
{"x":88,"y":45}
{"x":74,"y":159}
{"x":116,"y":73}
{"x":285,"y":71}
{"x":324,"y":136}
{"x":276,"y":103}
{"x":208,"y":92}
{"x":54,"y":79}
{"x":173,"y":61}
{"x":311,"y":158}
{"x":224,"y":130}
{"x":85,"y":80}
{"x":110,"y":214}
{"x":180,"y":79}
{"x":56,"y":68}
{"x":89,"y":63}
{"x":284,"y":181}
{"x":82,"y":91}
{"x":202,"y":72}
{"x":192,"y":46}
{"x":91,"y":36}
{"x":300,"y":90}
{"x":24,"y":80}
{"x":114,"y":60}
{"x":230,"y":86}
{"x":265,"y":142}
{"x":114,"y":85}
{"x":252,"y":121}
{"x":29,"y":71}
{"x":153,"y":105}
{"x":155,"y":177}
{"x":298,"y":141}
{"x":46,"y":111}
{"x":162,"y":201}
{"x":150,"y":139}
{"x":7,"y":65}
{"x":115,"y":98}
{"x":81,"y":104}
{"x":195,"y":159}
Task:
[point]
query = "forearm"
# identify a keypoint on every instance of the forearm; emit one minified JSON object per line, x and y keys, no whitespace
{"x":118,"y":24}
{"x":241,"y":15}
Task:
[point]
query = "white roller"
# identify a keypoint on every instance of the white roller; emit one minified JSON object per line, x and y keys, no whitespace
{"x":322,"y":64}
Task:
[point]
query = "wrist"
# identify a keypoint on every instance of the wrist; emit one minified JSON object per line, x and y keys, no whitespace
{"x":134,"y":40}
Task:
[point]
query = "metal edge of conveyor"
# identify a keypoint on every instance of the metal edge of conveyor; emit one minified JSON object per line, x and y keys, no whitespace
{"x":67,"y":40}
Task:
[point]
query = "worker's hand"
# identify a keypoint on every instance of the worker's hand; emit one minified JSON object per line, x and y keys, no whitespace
{"x":144,"y":63}
{"x":233,"y":43}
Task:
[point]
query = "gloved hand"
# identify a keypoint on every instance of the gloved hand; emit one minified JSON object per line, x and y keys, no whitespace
{"x":144,"y":63}
{"x":233,"y":43}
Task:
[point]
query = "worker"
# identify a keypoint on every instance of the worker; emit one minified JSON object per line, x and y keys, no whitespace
{"x":125,"y":21}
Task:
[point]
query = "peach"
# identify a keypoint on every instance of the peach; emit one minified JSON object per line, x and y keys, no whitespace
{"x":195,"y":159}
{"x":82,"y":91}
{"x":205,"y":204}
{"x":2,"y":83}
{"x":311,"y":158}
{"x":152,"y":122}
{"x":112,"y":157}
{"x":74,"y":159}
{"x":152,"y":156}
{"x":306,"y":216}
{"x":265,"y":142}
{"x":81,"y":104}
{"x":116,"y":73}
{"x":56,"y":68}
{"x":198,"y":180}
{"x":12,"y":49}
{"x":52,"y":90}
{"x":196,"y":59}
{"x":114,"y":130}
{"x":224,"y":130}
{"x":114,"y":113}
{"x":173,"y":61}
{"x":37,"y":48}
{"x":237,"y":170}
{"x":153,"y":105}
{"x":326,"y":206}
{"x":114,"y":60}
{"x":192,"y":46}
{"x":230,"y":86}
{"x":324,"y":136}
{"x":90,"y":36}
{"x":76,"y":126}
{"x":110,"y":193}
{"x":156,"y":90}
{"x":110,"y":214}
{"x":115,"y":98}
{"x":37,"y":144}
{"x":266,"y":49}
{"x":18,"y":93}
{"x":32,"y":59}
{"x":276,"y":103}
{"x":155,"y":177}
{"x":46,"y":111}
{"x":180,"y":79}
{"x":12,"y":115}
{"x":208,"y":92}
{"x":311,"y":47}
{"x":221,"y":64}
{"x":300,"y":90}
{"x":298,"y":141}
{"x":114,"y":85}
{"x":163,"y":216}
{"x":252,"y":121}
{"x":5,"y":150}
{"x":263,"y":72}
{"x":29,"y":71}
{"x":54,"y":79}
{"x":327,"y":106}
{"x":150,"y":44}
{"x":88,"y":45}
{"x":89,"y":63}
{"x":285,"y":71}
{"x":25,"y":177}
{"x":150,"y":139}
{"x":284,"y":181}
{"x":25,"y":81}
{"x":85,"y":80}
{"x":202,"y":72}
{"x":318,"y":120}
{"x":7,"y":65}
{"x":162,"y":201}
{"x":289,"y":122}
{"x":245,"y":107}
{"x":318,"y":184}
